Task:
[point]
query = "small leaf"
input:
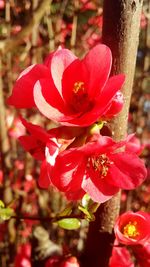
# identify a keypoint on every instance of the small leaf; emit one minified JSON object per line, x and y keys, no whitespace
{"x":69,"y":223}
{"x":66,"y":212}
{"x":6,"y":214}
{"x":85,"y":200}
{"x":2,"y":205}
{"x":88,"y":215}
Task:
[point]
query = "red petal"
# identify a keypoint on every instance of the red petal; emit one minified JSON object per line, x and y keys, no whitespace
{"x":98,"y":189}
{"x":45,"y":108}
{"x":102,"y":103}
{"x":128,"y":172}
{"x":37,"y":131}
{"x":60,"y":61}
{"x":67,"y":164}
{"x":22,"y":95}
{"x":30,"y":144}
{"x":44,"y":180}
{"x":76,"y":72}
{"x":98,"y":64}
{"x":116,"y":105}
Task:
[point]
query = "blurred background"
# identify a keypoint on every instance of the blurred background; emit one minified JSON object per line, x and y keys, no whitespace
{"x":29,"y":30}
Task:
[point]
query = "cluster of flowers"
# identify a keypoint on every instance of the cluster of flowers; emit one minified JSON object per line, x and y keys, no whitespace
{"x":77,"y":157}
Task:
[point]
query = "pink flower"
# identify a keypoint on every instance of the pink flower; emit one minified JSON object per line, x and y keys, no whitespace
{"x":68,"y":90}
{"x":120,"y":258}
{"x":132,"y":228}
{"x":98,"y":169}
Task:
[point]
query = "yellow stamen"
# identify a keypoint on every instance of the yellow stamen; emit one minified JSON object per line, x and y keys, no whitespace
{"x":101,"y":164}
{"x":130,"y":230}
{"x":78,"y":86}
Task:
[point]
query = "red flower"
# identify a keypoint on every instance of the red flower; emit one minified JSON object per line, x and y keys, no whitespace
{"x":37,"y":144}
{"x":70,"y":262}
{"x":43,"y":144}
{"x":98,"y":169}
{"x":120,"y":258}
{"x":22,"y":258}
{"x":132,"y":228}
{"x":53,"y":262}
{"x":68,"y":90}
{"x":134,"y":144}
{"x":142,"y":254}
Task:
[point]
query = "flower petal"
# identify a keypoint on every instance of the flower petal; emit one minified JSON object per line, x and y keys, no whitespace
{"x":44,"y":107}
{"x":99,"y":190}
{"x":30,"y":144}
{"x":59,"y":62}
{"x":128,"y":171}
{"x":44,"y":180}
{"x":37,"y":131}
{"x":102,"y":103}
{"x":22,"y":95}
{"x":67,"y":164}
{"x":98,"y":64}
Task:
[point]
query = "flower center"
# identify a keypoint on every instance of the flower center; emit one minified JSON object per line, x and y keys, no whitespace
{"x":130,"y":230}
{"x":101,"y":164}
{"x":80,"y":99}
{"x":78,"y":86}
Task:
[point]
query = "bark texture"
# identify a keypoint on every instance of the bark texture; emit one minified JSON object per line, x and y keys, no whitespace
{"x":121,"y":34}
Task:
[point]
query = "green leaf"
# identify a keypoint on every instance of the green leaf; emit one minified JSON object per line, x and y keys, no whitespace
{"x":6,"y":213}
{"x":88,"y":215}
{"x":69,"y":223}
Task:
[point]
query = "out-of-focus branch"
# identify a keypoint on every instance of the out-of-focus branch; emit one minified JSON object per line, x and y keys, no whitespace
{"x":4,"y":142}
{"x":12,"y":42}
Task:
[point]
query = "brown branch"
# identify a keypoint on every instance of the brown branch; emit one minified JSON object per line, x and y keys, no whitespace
{"x":12,"y":42}
{"x":120,"y":33}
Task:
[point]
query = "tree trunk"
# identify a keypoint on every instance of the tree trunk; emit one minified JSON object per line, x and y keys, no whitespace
{"x":121,"y":33}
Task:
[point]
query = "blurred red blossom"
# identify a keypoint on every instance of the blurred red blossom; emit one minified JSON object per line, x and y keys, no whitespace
{"x":142,"y":254}
{"x":17,"y":129}
{"x":57,"y":261}
{"x":132,"y":228}
{"x":70,"y":262}
{"x":120,"y":258}
{"x":22,"y":258}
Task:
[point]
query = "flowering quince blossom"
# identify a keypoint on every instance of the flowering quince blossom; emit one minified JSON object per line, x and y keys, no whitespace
{"x":96,"y":168}
{"x":71,"y":91}
{"x":142,"y":254}
{"x":120,"y":258}
{"x":39,"y":142}
{"x":133,"y":228}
